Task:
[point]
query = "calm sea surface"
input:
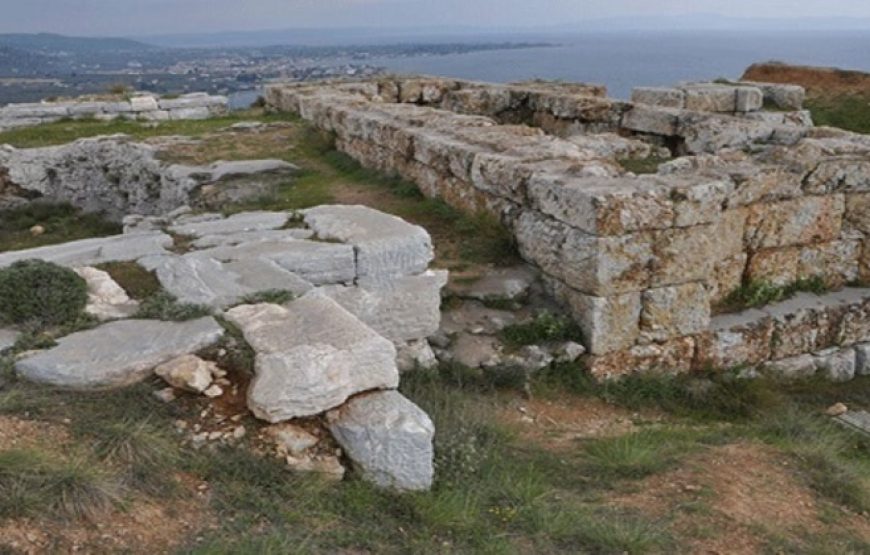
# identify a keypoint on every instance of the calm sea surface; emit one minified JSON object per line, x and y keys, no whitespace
{"x":622,"y":61}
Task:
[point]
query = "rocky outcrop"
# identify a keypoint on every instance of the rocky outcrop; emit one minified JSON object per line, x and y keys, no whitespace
{"x":140,"y":107}
{"x":116,"y":176}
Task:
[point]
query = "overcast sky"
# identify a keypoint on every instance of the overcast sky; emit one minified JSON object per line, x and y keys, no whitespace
{"x":144,"y":17}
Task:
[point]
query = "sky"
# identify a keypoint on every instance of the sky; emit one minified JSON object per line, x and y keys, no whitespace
{"x":155,"y":17}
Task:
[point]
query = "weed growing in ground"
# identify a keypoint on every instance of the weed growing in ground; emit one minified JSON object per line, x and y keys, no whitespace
{"x":273,"y":296}
{"x":164,"y":306}
{"x":61,"y":223}
{"x":760,"y":293}
{"x":40,"y":294}
{"x":545,"y":327}
{"x":135,"y":280}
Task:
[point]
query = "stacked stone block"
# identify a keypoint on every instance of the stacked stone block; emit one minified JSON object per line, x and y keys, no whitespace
{"x":642,"y":261}
{"x":144,"y":107}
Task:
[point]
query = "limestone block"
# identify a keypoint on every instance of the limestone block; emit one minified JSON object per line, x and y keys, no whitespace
{"x":858,"y":212}
{"x":655,"y":121}
{"x":386,"y":246}
{"x":674,"y":311}
{"x":783,"y":96}
{"x":839,"y":175}
{"x":736,"y":340}
{"x":802,"y":324}
{"x":87,"y":252}
{"x":157,"y":115}
{"x":237,"y":223}
{"x":683,"y":255}
{"x":711,"y":98}
{"x":604,"y":206}
{"x":114,"y":355}
{"x":106,"y":299}
{"x":670,"y":357}
{"x":726,"y":277}
{"x":658,"y":96}
{"x":608,"y":323}
{"x":749,"y":99}
{"x":792,"y":368}
{"x":836,"y":263}
{"x":86,"y":109}
{"x":862,"y":360}
{"x":854,"y":327}
{"x":402,"y":310}
{"x":765,"y":184}
{"x":415,"y":355}
{"x":144,"y":104}
{"x":774,"y":266}
{"x":838,"y":365}
{"x":311,"y":356}
{"x":699,"y":202}
{"x":388,"y":438}
{"x":189,"y":113}
{"x":708,"y":132}
{"x":800,"y":221}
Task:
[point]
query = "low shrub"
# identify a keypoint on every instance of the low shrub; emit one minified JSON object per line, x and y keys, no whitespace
{"x":39,"y":294}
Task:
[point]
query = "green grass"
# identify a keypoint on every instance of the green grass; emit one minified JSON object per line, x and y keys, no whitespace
{"x":761,"y":293}
{"x":633,"y":456}
{"x":274,"y":296}
{"x":848,"y":112}
{"x":164,"y":306}
{"x":36,"y":483}
{"x":62,"y":223}
{"x":135,"y":280}
{"x":545,"y":327}
{"x":66,"y":131}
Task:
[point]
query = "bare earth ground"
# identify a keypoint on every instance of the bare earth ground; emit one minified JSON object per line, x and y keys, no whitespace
{"x":728,"y":488}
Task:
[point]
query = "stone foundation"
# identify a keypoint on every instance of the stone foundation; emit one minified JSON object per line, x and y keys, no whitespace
{"x":141,"y":107}
{"x":643,"y":261}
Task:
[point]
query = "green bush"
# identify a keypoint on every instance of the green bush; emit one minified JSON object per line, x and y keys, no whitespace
{"x":34,"y":292}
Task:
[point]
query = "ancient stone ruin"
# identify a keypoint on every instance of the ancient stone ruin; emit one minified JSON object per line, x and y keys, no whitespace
{"x":116,"y":176}
{"x":363,"y":302}
{"x":144,"y":106}
{"x":643,"y":262}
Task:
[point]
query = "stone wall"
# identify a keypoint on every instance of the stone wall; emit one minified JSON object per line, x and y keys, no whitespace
{"x":643,"y":261}
{"x":143,"y":107}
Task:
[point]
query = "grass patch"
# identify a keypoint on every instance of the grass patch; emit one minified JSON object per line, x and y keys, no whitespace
{"x":273,"y":296}
{"x":850,"y":112}
{"x":164,"y":306}
{"x":34,"y":483}
{"x":544,"y":328}
{"x":634,"y":456}
{"x":761,"y":293}
{"x":62,"y":223}
{"x":135,"y":280}
{"x":642,"y":166}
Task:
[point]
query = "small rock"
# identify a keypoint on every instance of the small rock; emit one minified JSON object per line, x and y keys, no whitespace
{"x":291,"y":439}
{"x":37,"y":230}
{"x":329,"y":466}
{"x":167,"y":395}
{"x":213,"y":391}
{"x":569,"y":351}
{"x":188,"y":372}
{"x":414,"y":355}
{"x":531,"y":358}
{"x":239,"y":432}
{"x":837,"y":409}
{"x":213,"y":436}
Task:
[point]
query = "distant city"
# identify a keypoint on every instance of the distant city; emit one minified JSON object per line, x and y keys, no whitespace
{"x":36,"y":67}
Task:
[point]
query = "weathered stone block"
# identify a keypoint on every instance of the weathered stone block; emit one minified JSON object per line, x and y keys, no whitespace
{"x":674,"y":311}
{"x":838,"y":365}
{"x":711,"y":98}
{"x":700,"y":202}
{"x":683,"y":255}
{"x":862,"y":359}
{"x":775,"y":266}
{"x":736,"y":340}
{"x":836,"y":263}
{"x":671,"y":357}
{"x":388,"y":438}
{"x":749,"y":99}
{"x":792,"y":368}
{"x":857,"y":213}
{"x":655,"y":121}
{"x":800,"y":221}
{"x":608,"y":323}
{"x":311,"y":356}
{"x":659,"y":96}
{"x":839,"y":176}
{"x":726,"y":277}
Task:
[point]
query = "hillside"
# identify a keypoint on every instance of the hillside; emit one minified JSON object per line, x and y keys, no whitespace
{"x":46,"y":42}
{"x":837,"y":97}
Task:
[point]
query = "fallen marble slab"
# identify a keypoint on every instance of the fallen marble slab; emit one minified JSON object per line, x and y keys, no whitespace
{"x":502,"y":284}
{"x":311,"y":356}
{"x":388,"y":438}
{"x":91,"y":252}
{"x":213,"y":224}
{"x":118,"y":353}
{"x":386,"y":246}
{"x":401,"y":310}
